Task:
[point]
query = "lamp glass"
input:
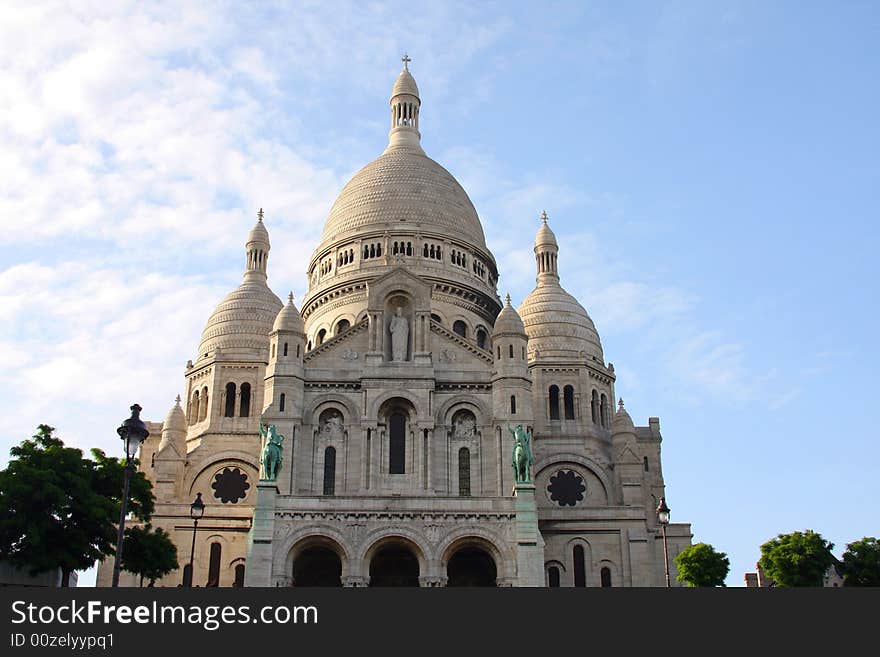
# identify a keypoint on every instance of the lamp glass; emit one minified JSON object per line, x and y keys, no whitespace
{"x":197,"y":508}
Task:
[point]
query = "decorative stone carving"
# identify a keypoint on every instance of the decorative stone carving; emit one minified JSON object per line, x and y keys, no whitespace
{"x":399,"y":328}
{"x":349,"y":354}
{"x":464,"y":426}
{"x":331,"y":426}
{"x":447,"y":355}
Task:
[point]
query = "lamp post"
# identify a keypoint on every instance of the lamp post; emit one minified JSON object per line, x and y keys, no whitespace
{"x":663,"y":519}
{"x":133,"y":432}
{"x":196,"y":511}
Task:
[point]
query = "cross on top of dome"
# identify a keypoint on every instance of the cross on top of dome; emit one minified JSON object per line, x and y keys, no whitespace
{"x":406,"y":60}
{"x":260,"y":215}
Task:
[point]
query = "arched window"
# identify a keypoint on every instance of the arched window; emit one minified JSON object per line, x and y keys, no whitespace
{"x":203,"y":407}
{"x":319,"y":340}
{"x":281,"y":403}
{"x":229,"y":409}
{"x":285,"y":348}
{"x":499,"y":352}
{"x":297,"y":351}
{"x":273,"y":350}
{"x":553,"y":577}
{"x":523,"y":353}
{"x":244,"y":409}
{"x":580,"y":570}
{"x":436,"y":318}
{"x":330,"y":471}
{"x":343,"y":325}
{"x":481,"y":338}
{"x":606,"y":578}
{"x":194,"y":408}
{"x":510,"y":351}
{"x":603,"y":409}
{"x":397,"y":443}
{"x":568,"y":401}
{"x":239,"y":576}
{"x":464,"y":472}
{"x":460,"y":328}
{"x":513,"y":404}
{"x":594,"y":407}
{"x":645,"y":460}
{"x":309,"y":346}
{"x":554,"y":402}
{"x":214,"y":565}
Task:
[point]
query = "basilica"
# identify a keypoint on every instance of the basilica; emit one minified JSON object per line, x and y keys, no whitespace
{"x":394,"y":392}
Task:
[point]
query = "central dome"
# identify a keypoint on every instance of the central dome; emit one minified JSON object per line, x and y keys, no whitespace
{"x":404,"y":189}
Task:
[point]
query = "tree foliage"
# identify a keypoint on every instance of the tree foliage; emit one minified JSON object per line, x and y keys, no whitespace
{"x":861,"y":563}
{"x":147,"y":553}
{"x":59,"y":509}
{"x":796,"y":559}
{"x":702,"y":565}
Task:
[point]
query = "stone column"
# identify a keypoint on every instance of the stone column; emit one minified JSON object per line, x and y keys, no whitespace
{"x":259,"y":545}
{"x":529,"y":542}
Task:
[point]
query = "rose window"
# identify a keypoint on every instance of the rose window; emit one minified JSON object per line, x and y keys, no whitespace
{"x":566,"y":488}
{"x":230,"y":485}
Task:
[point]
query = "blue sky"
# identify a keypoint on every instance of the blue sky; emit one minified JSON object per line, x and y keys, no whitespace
{"x":710,"y":169}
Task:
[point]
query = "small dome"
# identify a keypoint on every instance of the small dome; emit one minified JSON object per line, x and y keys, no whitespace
{"x":174,"y":430}
{"x":243,"y":320}
{"x":175,"y":420}
{"x":545,"y":236}
{"x":508,"y":321}
{"x":289,"y":318}
{"x":258,"y":234}
{"x":405,"y":84}
{"x":622,"y":422}
{"x":557,"y":325}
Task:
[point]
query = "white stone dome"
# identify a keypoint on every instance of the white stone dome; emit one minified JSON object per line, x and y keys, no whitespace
{"x":405,"y":84}
{"x":557,"y":325}
{"x":545,"y":236}
{"x":174,"y":430}
{"x":403,"y":189}
{"x":258,"y":234}
{"x":622,"y":422}
{"x":289,"y":318}
{"x":508,"y":321}
{"x":243,"y":320}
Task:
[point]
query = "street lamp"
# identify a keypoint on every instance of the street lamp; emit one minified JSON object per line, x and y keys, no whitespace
{"x":196,"y":511}
{"x":663,"y":519}
{"x":133,"y":432}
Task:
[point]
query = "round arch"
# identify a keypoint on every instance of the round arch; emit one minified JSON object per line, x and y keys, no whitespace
{"x":476,"y":538}
{"x":323,"y":402}
{"x":314,"y":535}
{"x":448,"y":408}
{"x":403,"y":395}
{"x":216,"y":461}
{"x":589,"y":464}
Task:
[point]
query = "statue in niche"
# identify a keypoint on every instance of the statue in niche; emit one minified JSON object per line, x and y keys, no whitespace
{"x":331,"y":425}
{"x":399,"y":328}
{"x":464,"y":425}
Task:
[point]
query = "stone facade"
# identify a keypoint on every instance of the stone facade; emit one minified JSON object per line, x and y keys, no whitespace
{"x":396,"y":387}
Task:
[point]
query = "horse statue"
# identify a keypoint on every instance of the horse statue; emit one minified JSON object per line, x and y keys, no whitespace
{"x":522,"y":454}
{"x":270,"y":455}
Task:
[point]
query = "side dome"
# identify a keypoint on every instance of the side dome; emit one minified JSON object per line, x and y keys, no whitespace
{"x":242,"y":321}
{"x":289,"y":318}
{"x":556,"y":323}
{"x":622,"y":422}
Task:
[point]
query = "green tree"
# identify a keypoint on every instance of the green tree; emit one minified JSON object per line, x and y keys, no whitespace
{"x":147,"y":553}
{"x":59,"y":509}
{"x":702,"y":565}
{"x":861,"y":563}
{"x":796,"y":559}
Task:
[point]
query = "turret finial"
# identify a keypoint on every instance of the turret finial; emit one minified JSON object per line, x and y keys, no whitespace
{"x":507,"y":298}
{"x":544,"y":216}
{"x":260,"y":215}
{"x":290,"y":297}
{"x":177,"y":400}
{"x":620,"y":404}
{"x":406,"y":60}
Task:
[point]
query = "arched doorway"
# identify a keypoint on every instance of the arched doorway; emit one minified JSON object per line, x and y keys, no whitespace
{"x":317,"y":566}
{"x":471,"y":566}
{"x":394,"y":565}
